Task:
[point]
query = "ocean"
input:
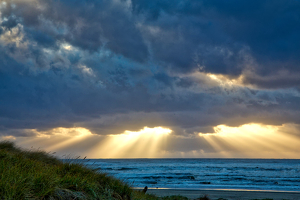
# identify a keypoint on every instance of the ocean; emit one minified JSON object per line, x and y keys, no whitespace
{"x":235,"y":174}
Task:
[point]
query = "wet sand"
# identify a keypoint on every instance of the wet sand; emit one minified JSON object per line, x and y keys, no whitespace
{"x":227,"y":194}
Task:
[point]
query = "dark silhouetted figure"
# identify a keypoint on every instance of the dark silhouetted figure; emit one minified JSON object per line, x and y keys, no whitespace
{"x":145,"y":189}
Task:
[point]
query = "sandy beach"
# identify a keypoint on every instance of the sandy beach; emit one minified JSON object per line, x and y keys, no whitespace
{"x":227,"y":194}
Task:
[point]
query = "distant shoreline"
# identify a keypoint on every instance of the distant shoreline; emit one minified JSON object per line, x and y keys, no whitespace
{"x":220,"y":189}
{"x":227,"y":194}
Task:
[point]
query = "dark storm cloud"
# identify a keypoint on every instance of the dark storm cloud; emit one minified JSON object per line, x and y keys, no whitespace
{"x":214,"y":36}
{"x":10,"y":23}
{"x":111,"y":66}
{"x":281,"y":79}
{"x":17,"y":132}
{"x":85,"y":24}
{"x":219,"y":32}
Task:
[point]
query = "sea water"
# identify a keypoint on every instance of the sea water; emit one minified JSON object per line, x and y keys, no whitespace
{"x":244,"y":174}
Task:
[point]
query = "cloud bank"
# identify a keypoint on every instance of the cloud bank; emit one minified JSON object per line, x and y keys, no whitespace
{"x":111,"y":66}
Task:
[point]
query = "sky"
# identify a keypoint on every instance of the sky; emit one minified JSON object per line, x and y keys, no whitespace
{"x":151,"y":78}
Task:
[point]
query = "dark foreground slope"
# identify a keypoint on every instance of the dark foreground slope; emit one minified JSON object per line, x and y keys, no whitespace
{"x":39,"y":175}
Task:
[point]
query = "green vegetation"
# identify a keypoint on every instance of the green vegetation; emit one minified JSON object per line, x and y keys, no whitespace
{"x":203,"y":198}
{"x":38,"y":175}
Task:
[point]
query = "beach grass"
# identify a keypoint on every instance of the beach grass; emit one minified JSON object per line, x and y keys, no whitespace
{"x":38,"y":175}
{"x":35,"y":174}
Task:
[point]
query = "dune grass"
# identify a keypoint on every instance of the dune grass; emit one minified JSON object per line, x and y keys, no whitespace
{"x":38,"y":175}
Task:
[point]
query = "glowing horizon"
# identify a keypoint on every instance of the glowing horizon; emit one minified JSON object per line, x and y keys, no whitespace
{"x":257,"y":139}
{"x":245,"y":141}
{"x":134,"y":144}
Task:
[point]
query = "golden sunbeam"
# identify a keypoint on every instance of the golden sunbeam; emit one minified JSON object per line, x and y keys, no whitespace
{"x":57,"y":138}
{"x":253,"y":140}
{"x":132,"y":144}
{"x":249,"y":140}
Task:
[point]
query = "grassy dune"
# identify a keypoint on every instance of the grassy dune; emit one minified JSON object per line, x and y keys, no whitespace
{"x":38,"y":175}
